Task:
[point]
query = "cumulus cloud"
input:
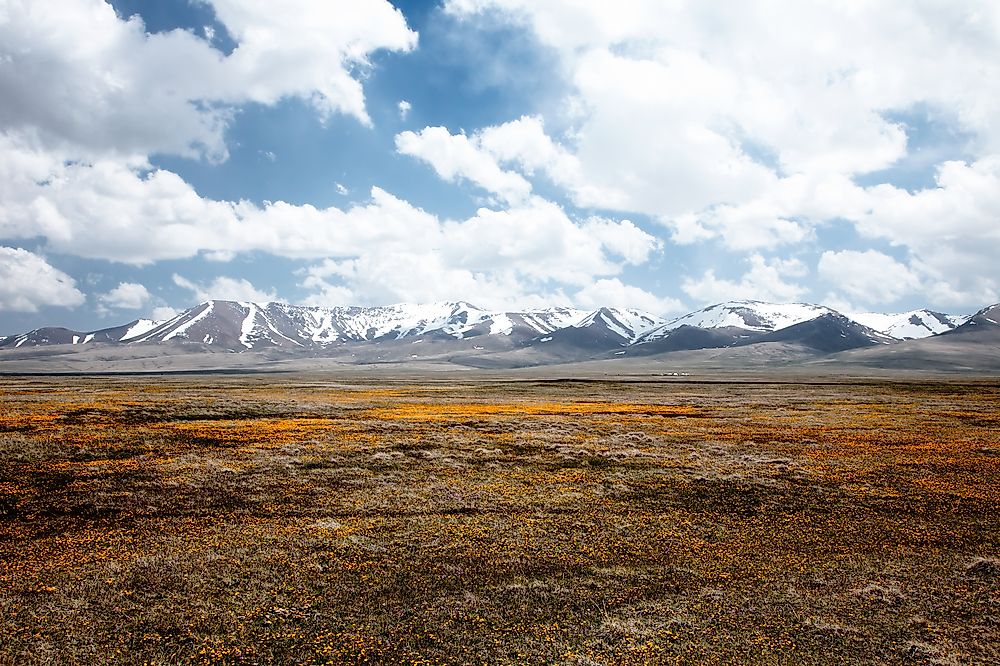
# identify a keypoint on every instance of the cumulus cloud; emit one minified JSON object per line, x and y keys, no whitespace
{"x":225,"y":289}
{"x":951,"y":230}
{"x":28,"y":282}
{"x":869,"y":277}
{"x":76,"y":75}
{"x":615,"y":293}
{"x":404,"y":109}
{"x":498,"y":258}
{"x":764,"y":280}
{"x":455,"y":157}
{"x":126,"y":296}
{"x":111,"y":211}
{"x":164,"y":312}
{"x":731,"y":128}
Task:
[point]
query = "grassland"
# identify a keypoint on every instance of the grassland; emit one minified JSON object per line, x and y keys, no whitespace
{"x":296,"y":520}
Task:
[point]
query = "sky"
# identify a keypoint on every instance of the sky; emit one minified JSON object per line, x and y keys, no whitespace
{"x":662,"y":155}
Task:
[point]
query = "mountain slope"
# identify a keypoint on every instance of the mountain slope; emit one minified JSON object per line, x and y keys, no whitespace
{"x":747,"y":315}
{"x":602,"y":329}
{"x":447,"y":331}
{"x":55,"y":335}
{"x":986,"y":319}
{"x":910,"y":325}
{"x":828,"y":333}
{"x":238,"y":325}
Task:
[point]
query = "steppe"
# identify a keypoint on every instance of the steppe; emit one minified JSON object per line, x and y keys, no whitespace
{"x":448,"y":519}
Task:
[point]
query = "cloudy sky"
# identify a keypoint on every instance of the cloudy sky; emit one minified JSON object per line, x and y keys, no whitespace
{"x":659,"y":154}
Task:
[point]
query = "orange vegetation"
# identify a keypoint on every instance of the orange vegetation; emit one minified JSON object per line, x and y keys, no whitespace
{"x":238,"y":520}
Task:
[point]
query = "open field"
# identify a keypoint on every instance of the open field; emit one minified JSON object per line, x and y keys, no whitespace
{"x":294,"y":519}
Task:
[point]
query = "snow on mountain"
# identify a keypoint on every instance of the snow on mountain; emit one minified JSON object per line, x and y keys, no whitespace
{"x":988,"y":317}
{"x":138,"y":328}
{"x":908,"y":325}
{"x":829,"y":332}
{"x":243,"y":325}
{"x":240,"y":326}
{"x":627,"y":324}
{"x":750,"y":315}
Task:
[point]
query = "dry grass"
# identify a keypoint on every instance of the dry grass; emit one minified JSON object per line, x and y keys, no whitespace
{"x":293,"y":520}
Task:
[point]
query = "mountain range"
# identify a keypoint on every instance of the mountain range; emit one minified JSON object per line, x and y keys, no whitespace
{"x":463,"y":333}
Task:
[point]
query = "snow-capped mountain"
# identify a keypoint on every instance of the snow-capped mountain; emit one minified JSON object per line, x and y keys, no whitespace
{"x":551,"y":332}
{"x":239,"y":325}
{"x":986,"y":319}
{"x":54,"y":335}
{"x":910,"y":325}
{"x":604,"y":328}
{"x":830,"y":332}
{"x":627,"y":324}
{"x":755,"y":316}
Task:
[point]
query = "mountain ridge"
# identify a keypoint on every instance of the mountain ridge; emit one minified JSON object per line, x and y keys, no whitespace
{"x":557,"y":332}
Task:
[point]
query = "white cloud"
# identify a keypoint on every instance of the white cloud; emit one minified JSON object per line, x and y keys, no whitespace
{"x":614,"y":293}
{"x":225,"y":289}
{"x":126,"y":296}
{"x":951,"y":230}
{"x":77,"y":76}
{"x":28,"y":281}
{"x":404,"y":109}
{"x":764,"y":280}
{"x":409,"y":277}
{"x":455,"y":157}
{"x":869,"y":277}
{"x":497,"y":258}
{"x":623,"y":239}
{"x":732,"y":128}
{"x":164,"y":312}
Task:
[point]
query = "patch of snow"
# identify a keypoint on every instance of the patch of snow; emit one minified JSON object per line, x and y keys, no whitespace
{"x":179,"y":331}
{"x":76,"y":339}
{"x":910,"y":325}
{"x":501,"y":324}
{"x":546,"y":339}
{"x":615,"y":328}
{"x":751,"y":315}
{"x":247,"y":327}
{"x":87,"y":338}
{"x":138,"y":328}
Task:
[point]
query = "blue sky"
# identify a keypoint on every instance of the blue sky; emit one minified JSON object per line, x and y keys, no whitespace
{"x":505,"y":152}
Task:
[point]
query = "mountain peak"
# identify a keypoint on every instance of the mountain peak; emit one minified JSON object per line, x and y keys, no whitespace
{"x":241,"y":326}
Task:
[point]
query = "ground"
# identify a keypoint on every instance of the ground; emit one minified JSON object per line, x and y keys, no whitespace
{"x":311,"y":519}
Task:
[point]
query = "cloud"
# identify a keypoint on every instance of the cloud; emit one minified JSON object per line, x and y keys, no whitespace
{"x":764,"y":280}
{"x":733,"y":130}
{"x":868,"y":277}
{"x":225,"y":289}
{"x":28,"y":282}
{"x":614,"y":293}
{"x":404,"y":109}
{"x":455,"y":157}
{"x":410,"y":277}
{"x":951,"y":230}
{"x":164,"y":312}
{"x":126,"y":296}
{"x":78,"y":77}
{"x":519,"y":256}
